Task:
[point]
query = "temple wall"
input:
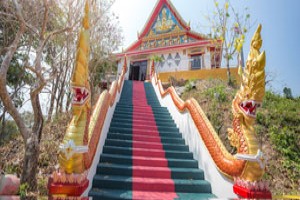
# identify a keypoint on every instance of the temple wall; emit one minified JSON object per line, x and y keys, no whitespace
{"x":177,"y":63}
{"x":220,"y":73}
{"x":169,"y":65}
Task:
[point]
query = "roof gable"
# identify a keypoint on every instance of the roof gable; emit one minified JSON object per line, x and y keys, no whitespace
{"x":165,"y":22}
{"x":165,"y":27}
{"x":164,"y":19}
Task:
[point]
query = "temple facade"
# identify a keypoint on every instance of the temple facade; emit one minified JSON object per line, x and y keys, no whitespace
{"x":168,"y":38}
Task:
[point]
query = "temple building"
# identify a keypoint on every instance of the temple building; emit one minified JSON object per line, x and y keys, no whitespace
{"x":167,"y":36}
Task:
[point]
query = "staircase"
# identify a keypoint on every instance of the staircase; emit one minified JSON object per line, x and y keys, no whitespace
{"x":144,"y":156}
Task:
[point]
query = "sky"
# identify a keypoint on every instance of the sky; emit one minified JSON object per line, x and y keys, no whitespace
{"x":281,"y":30}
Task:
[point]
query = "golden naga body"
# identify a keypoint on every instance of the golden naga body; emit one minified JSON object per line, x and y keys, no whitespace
{"x":247,"y":100}
{"x":76,"y":138}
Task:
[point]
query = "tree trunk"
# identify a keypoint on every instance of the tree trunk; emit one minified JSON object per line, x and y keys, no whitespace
{"x":53,"y":95}
{"x":68,"y":101}
{"x":228,"y":72}
{"x":3,"y":122}
{"x":61,"y":91}
{"x":69,"y":69}
{"x":38,"y":116}
{"x":62,"y":95}
{"x":30,"y":165}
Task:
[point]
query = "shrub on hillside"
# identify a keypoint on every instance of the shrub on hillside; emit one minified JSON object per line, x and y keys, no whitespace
{"x":280,"y":121}
{"x":9,"y":132}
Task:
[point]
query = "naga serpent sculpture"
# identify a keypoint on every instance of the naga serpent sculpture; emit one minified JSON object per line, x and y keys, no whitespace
{"x":80,"y":142}
{"x":76,"y":136}
{"x":244,"y":106}
{"x":248,"y":164}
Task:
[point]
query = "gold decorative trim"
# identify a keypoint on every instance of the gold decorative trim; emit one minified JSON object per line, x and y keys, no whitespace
{"x":164,"y":36}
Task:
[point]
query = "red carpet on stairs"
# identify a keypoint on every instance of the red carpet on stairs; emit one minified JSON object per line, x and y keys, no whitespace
{"x":151,"y":179}
{"x":144,"y":156}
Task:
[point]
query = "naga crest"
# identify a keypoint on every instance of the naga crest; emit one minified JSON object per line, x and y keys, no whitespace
{"x":252,"y":90}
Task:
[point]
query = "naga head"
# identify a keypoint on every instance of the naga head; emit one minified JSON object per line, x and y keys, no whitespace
{"x":252,"y":90}
{"x":79,"y":80}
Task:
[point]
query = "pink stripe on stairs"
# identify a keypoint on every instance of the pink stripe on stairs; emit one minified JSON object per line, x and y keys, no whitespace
{"x":149,"y":180}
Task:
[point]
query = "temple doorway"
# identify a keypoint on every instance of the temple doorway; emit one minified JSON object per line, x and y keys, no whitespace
{"x":138,"y":70}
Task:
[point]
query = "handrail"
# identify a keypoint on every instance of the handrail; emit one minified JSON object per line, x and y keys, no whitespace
{"x":248,"y":164}
{"x":106,"y":100}
{"x":81,"y":140}
{"x":225,"y":162}
{"x":75,"y":183}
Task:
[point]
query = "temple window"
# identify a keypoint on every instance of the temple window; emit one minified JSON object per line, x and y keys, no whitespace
{"x":196,"y":61}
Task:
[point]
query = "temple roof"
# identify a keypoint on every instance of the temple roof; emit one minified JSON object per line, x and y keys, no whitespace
{"x":165,"y":28}
{"x":156,"y":16}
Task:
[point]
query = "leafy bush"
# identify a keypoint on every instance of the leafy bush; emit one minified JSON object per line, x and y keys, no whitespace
{"x":287,"y":93}
{"x":217,"y":92}
{"x":190,"y":84}
{"x":215,"y":116}
{"x":42,"y":186}
{"x":279,"y":120}
{"x":9,"y":132}
{"x":23,"y":190}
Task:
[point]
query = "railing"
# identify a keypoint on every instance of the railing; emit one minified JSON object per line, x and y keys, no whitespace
{"x":230,"y":167}
{"x":75,"y":184}
{"x":226,"y":163}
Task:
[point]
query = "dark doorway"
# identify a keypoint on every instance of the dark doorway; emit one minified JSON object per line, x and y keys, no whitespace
{"x":138,"y":70}
{"x":135,"y":72}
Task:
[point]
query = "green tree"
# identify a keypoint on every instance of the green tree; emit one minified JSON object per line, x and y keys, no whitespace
{"x":105,"y":39}
{"x":231,"y":27}
{"x":100,"y":70}
{"x":47,"y":30}
{"x":34,"y":30}
{"x":17,"y":78}
{"x":287,"y":93}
